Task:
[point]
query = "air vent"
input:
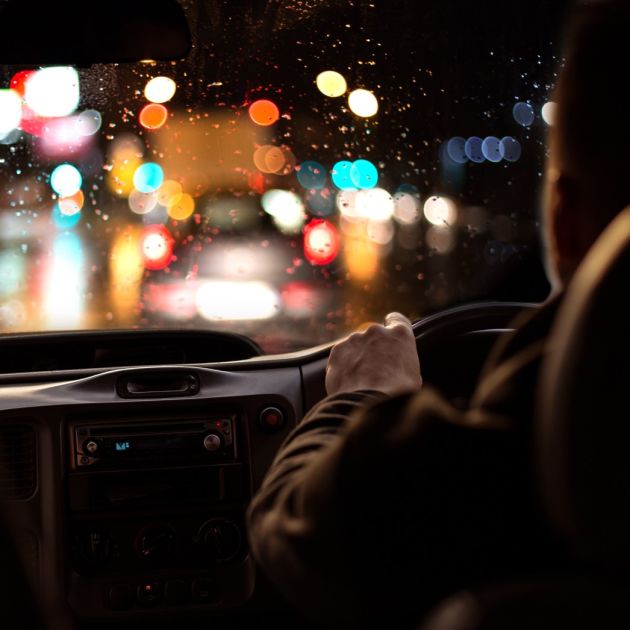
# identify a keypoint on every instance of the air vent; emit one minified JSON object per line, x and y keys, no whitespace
{"x":18,"y":471}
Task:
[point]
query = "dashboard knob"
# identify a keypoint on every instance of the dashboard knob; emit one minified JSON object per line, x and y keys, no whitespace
{"x":221,"y":537}
{"x":91,"y":446}
{"x":212,"y":442}
{"x":156,"y":542}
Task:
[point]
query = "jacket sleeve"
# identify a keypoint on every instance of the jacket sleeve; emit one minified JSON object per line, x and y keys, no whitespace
{"x":374,"y":504}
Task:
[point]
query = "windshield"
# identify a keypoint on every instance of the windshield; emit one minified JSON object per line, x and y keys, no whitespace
{"x":308,"y":168}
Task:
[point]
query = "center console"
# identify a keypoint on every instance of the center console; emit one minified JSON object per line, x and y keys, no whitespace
{"x":156,"y":498}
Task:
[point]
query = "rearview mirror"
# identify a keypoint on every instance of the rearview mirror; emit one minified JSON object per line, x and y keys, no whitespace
{"x":82,"y":33}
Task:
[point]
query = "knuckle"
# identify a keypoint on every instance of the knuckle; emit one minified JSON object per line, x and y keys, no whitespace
{"x":374,"y":330}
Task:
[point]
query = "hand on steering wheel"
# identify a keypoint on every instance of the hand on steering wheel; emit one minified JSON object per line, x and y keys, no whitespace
{"x":382,"y":358}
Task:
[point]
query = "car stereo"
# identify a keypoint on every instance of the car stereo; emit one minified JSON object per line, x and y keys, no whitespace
{"x":115,"y":445}
{"x":156,"y":511}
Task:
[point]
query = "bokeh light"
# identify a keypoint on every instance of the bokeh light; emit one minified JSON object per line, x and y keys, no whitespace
{"x":331,"y":83}
{"x":311,"y":175}
{"x":156,"y":247}
{"x":125,"y":271}
{"x":406,"y":208}
{"x":19,"y":79}
{"x":181,"y":207}
{"x":340,"y":175}
{"x":361,"y":259}
{"x":142,"y":203}
{"x":167,"y":191}
{"x":363,"y":174}
{"x":153,"y":116}
{"x":64,"y":283}
{"x":10,"y":111}
{"x":61,"y":137}
{"x":272,"y":160}
{"x":125,"y":154}
{"x":347,"y":204}
{"x":474,"y":149}
{"x":53,"y":92}
{"x":148,"y":177}
{"x":87,"y":123}
{"x":73,"y":204}
{"x":510,"y":149}
{"x":440,"y":239}
{"x":363,"y":103}
{"x":456,"y":150}
{"x":523,"y":114}
{"x":321,"y":242}
{"x":264,"y":112}
{"x":491,"y":149}
{"x":440,"y":211}
{"x":64,"y":221}
{"x":286,"y":208}
{"x":66,"y":180}
{"x":549,"y":113}
{"x":219,"y":300}
{"x":375,"y":204}
{"x":380,"y":232}
{"x":160,"y":89}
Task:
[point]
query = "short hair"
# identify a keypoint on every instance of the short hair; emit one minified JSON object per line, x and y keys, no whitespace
{"x":593,"y":114}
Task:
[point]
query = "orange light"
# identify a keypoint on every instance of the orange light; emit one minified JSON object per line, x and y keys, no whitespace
{"x":73,"y":204}
{"x":264,"y":112}
{"x":126,"y":267}
{"x":153,"y":116}
{"x":169,"y":193}
{"x":180,"y":207}
{"x":361,"y":258}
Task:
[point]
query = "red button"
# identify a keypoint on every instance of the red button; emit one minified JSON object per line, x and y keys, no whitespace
{"x":271,"y":419}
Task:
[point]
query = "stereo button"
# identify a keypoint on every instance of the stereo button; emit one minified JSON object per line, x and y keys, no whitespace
{"x":91,"y":446}
{"x":149,"y":594}
{"x":212,"y":442}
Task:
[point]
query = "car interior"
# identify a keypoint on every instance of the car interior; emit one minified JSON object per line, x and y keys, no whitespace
{"x":134,"y":432}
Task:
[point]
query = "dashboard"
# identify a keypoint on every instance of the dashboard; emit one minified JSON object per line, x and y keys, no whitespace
{"x":127,"y":486}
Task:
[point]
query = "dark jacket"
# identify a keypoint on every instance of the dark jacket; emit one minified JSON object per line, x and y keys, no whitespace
{"x":375,"y":508}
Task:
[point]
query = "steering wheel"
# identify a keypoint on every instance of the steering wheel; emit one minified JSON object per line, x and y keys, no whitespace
{"x":452,"y":344}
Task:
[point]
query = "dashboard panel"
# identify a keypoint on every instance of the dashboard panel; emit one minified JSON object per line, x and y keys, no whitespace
{"x":127,"y":487}
{"x":137,"y":505}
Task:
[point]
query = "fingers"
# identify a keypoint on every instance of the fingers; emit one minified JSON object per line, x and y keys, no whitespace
{"x":397,"y":319}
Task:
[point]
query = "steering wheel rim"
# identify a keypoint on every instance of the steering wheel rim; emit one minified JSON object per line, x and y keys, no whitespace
{"x":468,"y":318}
{"x":430,"y":332}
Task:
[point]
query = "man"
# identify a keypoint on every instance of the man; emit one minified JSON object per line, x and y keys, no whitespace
{"x":386,"y":499}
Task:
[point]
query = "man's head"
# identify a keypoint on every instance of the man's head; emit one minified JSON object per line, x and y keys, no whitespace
{"x":588,"y":174}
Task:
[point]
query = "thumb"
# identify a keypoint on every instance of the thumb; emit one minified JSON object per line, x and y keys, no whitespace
{"x":397,"y":319}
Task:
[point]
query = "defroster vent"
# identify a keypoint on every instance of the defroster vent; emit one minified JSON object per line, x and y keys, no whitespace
{"x":18,"y":468}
